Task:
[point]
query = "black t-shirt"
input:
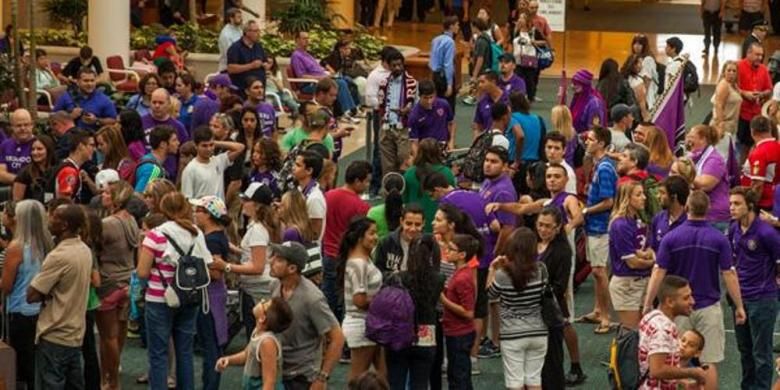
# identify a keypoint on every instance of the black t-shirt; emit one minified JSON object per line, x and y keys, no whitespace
{"x":218,"y":244}
{"x":72,"y":69}
{"x":35,"y":187}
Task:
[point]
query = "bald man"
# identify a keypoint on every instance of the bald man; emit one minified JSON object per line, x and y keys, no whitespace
{"x":15,"y":151}
{"x":160,"y":115}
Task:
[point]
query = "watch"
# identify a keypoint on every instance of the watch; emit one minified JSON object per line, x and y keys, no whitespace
{"x":228,"y":267}
{"x":322,"y":376}
{"x":585,"y":211}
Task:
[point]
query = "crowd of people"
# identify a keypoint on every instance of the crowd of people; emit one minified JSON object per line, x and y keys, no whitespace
{"x":146,"y":218}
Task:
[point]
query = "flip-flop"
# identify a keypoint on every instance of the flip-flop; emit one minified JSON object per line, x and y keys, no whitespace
{"x":589,"y":318}
{"x":602,"y":329}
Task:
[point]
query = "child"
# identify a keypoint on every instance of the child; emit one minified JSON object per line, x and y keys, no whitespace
{"x":262,"y":357}
{"x":691,"y":345}
{"x":266,"y":160}
{"x":458,"y":300}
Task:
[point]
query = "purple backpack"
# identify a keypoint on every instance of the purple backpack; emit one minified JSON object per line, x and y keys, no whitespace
{"x":391,"y":320}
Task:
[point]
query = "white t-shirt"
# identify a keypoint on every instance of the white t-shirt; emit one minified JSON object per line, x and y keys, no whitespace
{"x":499,"y":139}
{"x":199,"y":179}
{"x":315,"y":205}
{"x":258,"y":286}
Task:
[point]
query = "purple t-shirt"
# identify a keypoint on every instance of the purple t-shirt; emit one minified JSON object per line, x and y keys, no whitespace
{"x":514,"y":84}
{"x":269,"y":178}
{"x":171,"y":163}
{"x":292,"y":234}
{"x":698,"y":252}
{"x":482,"y":115}
{"x":626,"y":235}
{"x":498,"y":190}
{"x":267,"y":116}
{"x":660,"y":226}
{"x":304,"y":64}
{"x":659,"y":172}
{"x":474,"y":206}
{"x":557,"y":202}
{"x":15,"y":155}
{"x":430,"y":123}
{"x":204,"y":109}
{"x":776,"y":207}
{"x":756,"y":254}
{"x":710,"y":162}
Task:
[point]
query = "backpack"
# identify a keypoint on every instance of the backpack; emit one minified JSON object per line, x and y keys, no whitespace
{"x":652,"y":201}
{"x":391,"y":320}
{"x":286,"y":180}
{"x":690,"y":78}
{"x":148,"y":160}
{"x":495,"y":53}
{"x":472,"y":162}
{"x":623,"y":372}
{"x":191,"y":277}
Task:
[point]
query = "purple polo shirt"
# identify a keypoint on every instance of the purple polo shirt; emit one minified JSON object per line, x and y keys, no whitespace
{"x":15,"y":155}
{"x":626,"y":235}
{"x":171,"y":163}
{"x":714,"y":165}
{"x":474,"y":206}
{"x":304,"y":64}
{"x":204,"y":109}
{"x":514,"y":84}
{"x":267,"y":116}
{"x":698,"y":252}
{"x":430,"y":123}
{"x":498,"y":190}
{"x":660,"y":226}
{"x":482,"y":115}
{"x":756,"y":254}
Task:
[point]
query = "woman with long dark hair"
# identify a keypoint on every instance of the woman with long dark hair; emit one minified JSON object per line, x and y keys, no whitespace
{"x":612,"y":86}
{"x":255,"y":94}
{"x":640,"y":47}
{"x":387,"y":215}
{"x":359,"y":280}
{"x":632,"y":73}
{"x":133,"y":133}
{"x":32,"y":180}
{"x":428,"y":160}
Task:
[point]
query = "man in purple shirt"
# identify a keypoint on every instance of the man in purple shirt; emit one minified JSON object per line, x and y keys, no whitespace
{"x":672,"y":194}
{"x":699,"y":252}
{"x":431,"y":117}
{"x":469,"y":202}
{"x":510,"y":82}
{"x":756,"y":247}
{"x":15,"y":151}
{"x":160,"y":115}
{"x":221,"y":86}
{"x":491,"y":94}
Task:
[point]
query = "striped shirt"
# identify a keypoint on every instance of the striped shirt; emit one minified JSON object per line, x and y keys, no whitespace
{"x":156,"y":242}
{"x":520,"y":311}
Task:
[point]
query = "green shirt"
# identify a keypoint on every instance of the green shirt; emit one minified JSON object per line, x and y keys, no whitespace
{"x":377,"y":214}
{"x":413,"y":193}
{"x":296,"y":135}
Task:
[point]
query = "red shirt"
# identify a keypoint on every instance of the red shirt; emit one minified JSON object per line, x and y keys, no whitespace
{"x":462,"y":291}
{"x":68,"y":183}
{"x":343,"y":205}
{"x":752,"y":80}
{"x":762,"y":164}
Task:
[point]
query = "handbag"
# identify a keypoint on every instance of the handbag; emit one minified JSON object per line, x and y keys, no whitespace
{"x":551,"y":310}
{"x":529,"y":61}
{"x":545,"y":56}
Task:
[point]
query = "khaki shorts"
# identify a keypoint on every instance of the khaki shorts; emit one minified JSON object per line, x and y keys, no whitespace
{"x":627,"y":292}
{"x":709,"y":322}
{"x":597,"y":250}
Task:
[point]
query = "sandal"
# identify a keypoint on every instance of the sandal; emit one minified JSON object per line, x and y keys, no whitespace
{"x":602,"y":329}
{"x":589,"y":318}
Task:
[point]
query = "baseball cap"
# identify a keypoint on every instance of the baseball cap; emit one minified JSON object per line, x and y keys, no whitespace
{"x":258,"y":192}
{"x":106,"y":177}
{"x":619,"y":111}
{"x":318,"y":119}
{"x":293,"y":252}
{"x":507,"y":57}
{"x":222,"y":80}
{"x":214,"y":205}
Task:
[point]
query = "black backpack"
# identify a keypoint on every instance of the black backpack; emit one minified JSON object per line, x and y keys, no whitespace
{"x":191,"y":277}
{"x":690,"y":77}
{"x":286,"y":180}
{"x":473,"y":161}
{"x":660,"y":69}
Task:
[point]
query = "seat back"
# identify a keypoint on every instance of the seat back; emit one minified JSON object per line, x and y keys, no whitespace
{"x":116,"y":62}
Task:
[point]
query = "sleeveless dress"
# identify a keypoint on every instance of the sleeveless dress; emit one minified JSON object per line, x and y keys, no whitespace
{"x":253,"y":372}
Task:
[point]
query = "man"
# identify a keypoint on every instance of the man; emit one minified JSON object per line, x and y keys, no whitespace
{"x":640,"y":132}
{"x":755,"y":86}
{"x":314,"y":324}
{"x":622,"y":122}
{"x":306,"y":171}
{"x":508,"y":81}
{"x":85,"y":59}
{"x":758,"y":33}
{"x":760,"y":170}
{"x":756,"y":252}
{"x":431,"y":117}
{"x":554,"y":149}
{"x":698,"y":252}
{"x":659,"y":345}
{"x":63,"y":286}
{"x":229,"y":35}
{"x":90,"y":108}
{"x":481,"y":56}
{"x":15,"y":151}
{"x":246,"y":57}
{"x":442,"y":60}
{"x":167,"y":72}
{"x":396,"y":99}
{"x":205,"y":107}
{"x":61,"y":124}
{"x":674,"y":60}
{"x":752,"y":12}
{"x":325,"y":96}
{"x":342,"y":204}
{"x":540,"y":22}
{"x":490,"y":94}
{"x":632,"y":164}
{"x":672,"y":194}
{"x":376,"y":77}
{"x":601,"y":194}
{"x":204,"y":175}
{"x":471,"y":203}
{"x":164,"y":143}
{"x":392,"y":252}
{"x":500,"y":118}
{"x":160,"y":115}
{"x":68,"y":174}
{"x":712,"y":12}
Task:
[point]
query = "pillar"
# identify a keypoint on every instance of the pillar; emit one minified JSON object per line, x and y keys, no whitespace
{"x":345,"y":8}
{"x":259,"y":7}
{"x":108,"y":26}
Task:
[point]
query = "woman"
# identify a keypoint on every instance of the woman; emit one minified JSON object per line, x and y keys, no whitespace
{"x":23,"y":257}
{"x":516,"y":280}
{"x":45,"y":78}
{"x":255,"y":98}
{"x":141,"y":102}
{"x":348,"y":62}
{"x":211,"y":216}
{"x":250,"y":131}
{"x":561,"y":121}
{"x":726,"y":146}
{"x":632,"y":73}
{"x":661,"y":156}
{"x":711,"y":173}
{"x":684,"y":168}
{"x":292,"y":213}
{"x":185,"y":89}
{"x":425,"y":284}
{"x":275,"y":86}
{"x":612,"y":86}
{"x":631,"y":263}
{"x":387,"y":215}
{"x":154,"y":193}
{"x":495,"y":35}
{"x":428,"y":160}
{"x":222,"y":126}
{"x":33,"y":179}
{"x":133,"y":133}
{"x":524,"y":45}
{"x":115,"y":155}
{"x":265,"y":163}
{"x":360,"y":280}
{"x":587,"y":106}
{"x":640,"y":46}
{"x":115,"y":263}
{"x":162,"y":322}
{"x":726,"y":100}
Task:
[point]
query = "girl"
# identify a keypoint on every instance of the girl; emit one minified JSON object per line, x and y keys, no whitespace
{"x":185,"y":85}
{"x":360,"y":280}
{"x":561,"y":121}
{"x":612,"y":86}
{"x":524,"y":45}
{"x":631,"y":72}
{"x":155,"y":192}
{"x":262,"y":357}
{"x":266,"y":163}
{"x":115,"y":154}
{"x":292,"y":212}
{"x":684,"y":168}
{"x":32,"y":180}
{"x":142,"y":101}
{"x":133,"y":133}
{"x":428,"y":160}
{"x":640,"y":47}
{"x":387,"y":215}
{"x":661,"y":156}
{"x":255,"y":98}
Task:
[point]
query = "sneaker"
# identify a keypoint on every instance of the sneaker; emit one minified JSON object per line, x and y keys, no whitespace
{"x":469,"y":100}
{"x":575,"y":378}
{"x":475,"y":366}
{"x":488,"y":350}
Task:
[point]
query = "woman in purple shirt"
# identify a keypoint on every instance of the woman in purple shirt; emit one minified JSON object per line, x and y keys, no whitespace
{"x":661,"y":157}
{"x":711,"y":173}
{"x":631,"y":263}
{"x":255,"y":97}
{"x":293,"y":215}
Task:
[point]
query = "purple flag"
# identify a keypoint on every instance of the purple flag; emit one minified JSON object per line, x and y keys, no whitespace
{"x":669,"y":113}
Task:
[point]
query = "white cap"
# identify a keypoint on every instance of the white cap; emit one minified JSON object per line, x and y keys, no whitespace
{"x":105,"y":177}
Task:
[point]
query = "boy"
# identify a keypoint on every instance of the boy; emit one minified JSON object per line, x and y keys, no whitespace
{"x":204,"y":175}
{"x":431,"y":117}
{"x":458,"y":300}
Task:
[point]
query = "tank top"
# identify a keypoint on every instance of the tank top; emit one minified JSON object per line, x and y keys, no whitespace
{"x":557,"y":202}
{"x":253,"y":373}
{"x":17,"y":300}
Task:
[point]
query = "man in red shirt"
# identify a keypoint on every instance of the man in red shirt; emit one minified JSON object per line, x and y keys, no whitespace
{"x":755,"y":85}
{"x":760,"y":169}
{"x":67,"y":182}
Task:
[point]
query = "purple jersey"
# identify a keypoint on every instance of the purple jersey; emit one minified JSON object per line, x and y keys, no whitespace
{"x":710,"y":162}
{"x":482,"y":116}
{"x":267,"y":116}
{"x":557,"y":201}
{"x":514,"y":84}
{"x":756,"y":254}
{"x":433,"y":123}
{"x":626,"y":236}
{"x":498,"y":190}
{"x":472,"y":205}
{"x":660,"y":226}
{"x":15,"y":155}
{"x":698,"y":252}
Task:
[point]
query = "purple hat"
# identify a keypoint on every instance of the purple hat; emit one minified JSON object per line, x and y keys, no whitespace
{"x":222,"y":80}
{"x":583,"y":76}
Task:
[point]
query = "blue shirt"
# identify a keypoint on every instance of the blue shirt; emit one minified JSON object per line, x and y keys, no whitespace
{"x":96,"y":103}
{"x":533,"y":131}
{"x":186,"y":111}
{"x":136,"y":103}
{"x":394,"y":91}
{"x":756,"y":255}
{"x":443,"y":56}
{"x":660,"y":226}
{"x":241,"y":54}
{"x":603,"y":186}
{"x":17,"y":300}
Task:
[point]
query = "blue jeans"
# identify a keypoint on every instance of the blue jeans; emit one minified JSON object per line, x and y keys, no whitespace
{"x":58,"y":366}
{"x":413,"y":363}
{"x":754,"y":341}
{"x":211,"y":350}
{"x":329,"y":288}
{"x":459,"y":361}
{"x":162,"y":322}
